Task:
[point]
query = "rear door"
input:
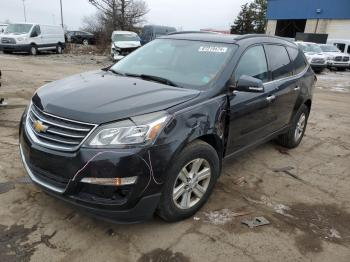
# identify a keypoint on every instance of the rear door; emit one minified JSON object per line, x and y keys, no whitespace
{"x":287,"y":89}
{"x":250,"y":118}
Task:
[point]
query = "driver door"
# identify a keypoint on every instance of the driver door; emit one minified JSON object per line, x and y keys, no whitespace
{"x":36,"y":36}
{"x":250,"y":115}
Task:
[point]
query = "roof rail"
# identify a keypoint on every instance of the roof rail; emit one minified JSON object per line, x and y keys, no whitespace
{"x":191,"y":32}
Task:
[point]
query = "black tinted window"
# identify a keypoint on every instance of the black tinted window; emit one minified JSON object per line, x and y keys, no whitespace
{"x":298,"y":60}
{"x":253,"y":63}
{"x":279,"y":61}
{"x":349,"y":49}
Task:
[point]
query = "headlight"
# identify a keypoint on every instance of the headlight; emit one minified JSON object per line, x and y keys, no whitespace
{"x":139,"y":130}
{"x":330,"y":58}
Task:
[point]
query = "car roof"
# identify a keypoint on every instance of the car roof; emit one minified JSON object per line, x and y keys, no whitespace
{"x":123,"y":32}
{"x":228,"y":39}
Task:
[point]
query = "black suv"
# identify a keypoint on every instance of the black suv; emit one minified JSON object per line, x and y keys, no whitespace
{"x":149,"y":133}
{"x":80,"y":37}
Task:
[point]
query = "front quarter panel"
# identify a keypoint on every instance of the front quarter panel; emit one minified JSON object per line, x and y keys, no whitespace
{"x":207,"y":118}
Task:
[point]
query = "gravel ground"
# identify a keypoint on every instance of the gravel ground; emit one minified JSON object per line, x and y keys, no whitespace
{"x":303,"y":193}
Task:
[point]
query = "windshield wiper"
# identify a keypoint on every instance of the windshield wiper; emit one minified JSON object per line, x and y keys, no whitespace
{"x":116,"y":72}
{"x":154,"y":78}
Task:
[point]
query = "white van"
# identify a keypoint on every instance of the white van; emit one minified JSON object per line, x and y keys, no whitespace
{"x":32,"y":38}
{"x":342,"y":44}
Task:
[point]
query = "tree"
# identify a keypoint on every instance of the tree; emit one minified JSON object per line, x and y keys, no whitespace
{"x":122,"y":14}
{"x":251,"y":18}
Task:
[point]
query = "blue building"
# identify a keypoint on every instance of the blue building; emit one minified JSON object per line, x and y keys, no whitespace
{"x":287,"y":17}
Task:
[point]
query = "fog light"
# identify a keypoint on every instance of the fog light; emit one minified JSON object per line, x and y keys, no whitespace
{"x":117,"y":181}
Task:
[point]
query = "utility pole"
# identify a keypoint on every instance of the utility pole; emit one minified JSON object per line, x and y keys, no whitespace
{"x":61,"y":15}
{"x":24,"y":11}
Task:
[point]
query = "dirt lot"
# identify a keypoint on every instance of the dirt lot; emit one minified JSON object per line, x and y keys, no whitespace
{"x":304,"y":193}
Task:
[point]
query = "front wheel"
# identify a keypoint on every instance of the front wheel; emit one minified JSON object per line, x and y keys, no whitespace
{"x":296,"y":132}
{"x":190,"y":182}
{"x":33,"y":50}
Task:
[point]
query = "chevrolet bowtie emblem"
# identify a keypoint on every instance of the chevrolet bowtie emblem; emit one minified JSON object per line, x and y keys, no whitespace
{"x":39,"y":126}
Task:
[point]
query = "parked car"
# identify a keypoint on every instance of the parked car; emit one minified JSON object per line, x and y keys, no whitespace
{"x":32,"y":38}
{"x":314,"y":55}
{"x":342,"y":44}
{"x":335,"y":58}
{"x":123,"y":43}
{"x":80,"y":37}
{"x":149,"y":133}
{"x":3,"y":28}
{"x":151,"y":32}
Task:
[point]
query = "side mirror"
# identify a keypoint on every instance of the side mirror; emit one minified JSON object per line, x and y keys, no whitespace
{"x":249,"y":84}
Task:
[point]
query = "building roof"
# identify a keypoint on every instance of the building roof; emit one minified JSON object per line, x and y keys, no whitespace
{"x":308,"y":9}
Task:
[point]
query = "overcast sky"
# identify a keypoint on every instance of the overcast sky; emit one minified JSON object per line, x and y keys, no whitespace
{"x":182,"y":14}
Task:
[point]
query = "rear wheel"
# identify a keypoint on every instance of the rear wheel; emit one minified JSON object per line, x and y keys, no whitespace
{"x":59,"y":49}
{"x":190,"y":182}
{"x":7,"y":52}
{"x":33,"y":50}
{"x":295,"y":134}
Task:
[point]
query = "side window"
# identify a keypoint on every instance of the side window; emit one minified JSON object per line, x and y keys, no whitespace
{"x":341,"y":47}
{"x":36,"y":31}
{"x":348,"y":49}
{"x":298,"y":59}
{"x":253,"y":63}
{"x":279,"y":61}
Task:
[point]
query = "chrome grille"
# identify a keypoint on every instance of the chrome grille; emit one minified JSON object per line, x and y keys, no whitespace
{"x":55,"y":132}
{"x":337,"y":58}
{"x":345,"y":58}
{"x":7,"y":40}
{"x":318,"y":60}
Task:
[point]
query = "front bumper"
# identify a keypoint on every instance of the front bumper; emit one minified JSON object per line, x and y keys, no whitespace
{"x":15,"y":47}
{"x":338,"y":64}
{"x":318,"y":66}
{"x":59,"y":174}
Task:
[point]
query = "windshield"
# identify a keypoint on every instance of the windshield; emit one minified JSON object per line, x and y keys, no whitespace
{"x":18,"y":28}
{"x":125,"y":37}
{"x":329,"y":48}
{"x":310,"y":48}
{"x":185,"y":63}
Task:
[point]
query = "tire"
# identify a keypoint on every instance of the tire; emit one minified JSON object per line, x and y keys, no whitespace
{"x":59,"y":49}
{"x":33,"y":50}
{"x":341,"y":69}
{"x":296,"y":132}
{"x":7,"y":52}
{"x":198,"y":153}
{"x":85,"y":42}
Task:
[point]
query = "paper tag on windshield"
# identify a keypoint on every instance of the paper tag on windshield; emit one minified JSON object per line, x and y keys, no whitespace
{"x":212,"y":49}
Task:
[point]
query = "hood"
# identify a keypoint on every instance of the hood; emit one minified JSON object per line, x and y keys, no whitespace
{"x":335,"y":54}
{"x":127,"y":44}
{"x":100,"y":97}
{"x":313,"y":54}
{"x":14,"y":34}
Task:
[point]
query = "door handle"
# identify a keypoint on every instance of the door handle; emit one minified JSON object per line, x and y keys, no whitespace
{"x":297,"y":88}
{"x":270,"y":98}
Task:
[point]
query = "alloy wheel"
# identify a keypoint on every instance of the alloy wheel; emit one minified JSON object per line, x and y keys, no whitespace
{"x":300,"y":127}
{"x":191,"y":183}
